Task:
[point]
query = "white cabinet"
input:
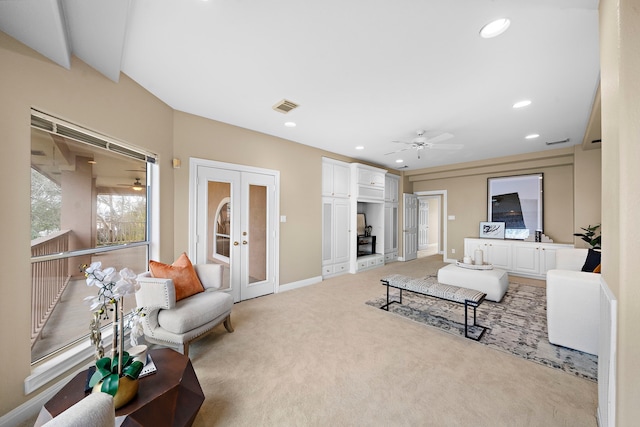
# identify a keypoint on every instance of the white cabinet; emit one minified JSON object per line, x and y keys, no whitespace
{"x":367,"y":183}
{"x":336,"y":178}
{"x":530,"y":259}
{"x":369,"y":262}
{"x":370,"y":176}
{"x":336,"y":237}
{"x":391,"y":185}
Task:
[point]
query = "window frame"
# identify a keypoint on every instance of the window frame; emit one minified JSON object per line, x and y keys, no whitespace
{"x":79,"y":354}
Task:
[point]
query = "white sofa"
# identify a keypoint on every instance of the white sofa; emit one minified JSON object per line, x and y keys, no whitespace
{"x":95,"y":410}
{"x":176,"y":324}
{"x":573,"y":302}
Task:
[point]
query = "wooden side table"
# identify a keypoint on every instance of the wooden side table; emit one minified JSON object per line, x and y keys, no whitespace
{"x":171,"y":396}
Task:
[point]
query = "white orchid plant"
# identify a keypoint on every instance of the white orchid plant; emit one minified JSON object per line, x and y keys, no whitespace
{"x":112,"y":288}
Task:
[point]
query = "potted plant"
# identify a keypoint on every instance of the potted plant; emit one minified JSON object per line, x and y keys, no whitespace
{"x":591,"y":236}
{"x":117,"y":374}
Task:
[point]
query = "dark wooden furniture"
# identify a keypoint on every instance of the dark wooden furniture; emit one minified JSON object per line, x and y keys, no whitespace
{"x":172,"y":396}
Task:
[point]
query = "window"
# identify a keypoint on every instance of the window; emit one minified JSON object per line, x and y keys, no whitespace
{"x":89,"y":202}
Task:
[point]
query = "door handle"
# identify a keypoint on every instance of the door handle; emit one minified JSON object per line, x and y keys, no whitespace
{"x":244,"y":242}
{"x":235,"y":243}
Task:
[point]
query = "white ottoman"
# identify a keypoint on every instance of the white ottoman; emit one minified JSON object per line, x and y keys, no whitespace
{"x":493,"y":282}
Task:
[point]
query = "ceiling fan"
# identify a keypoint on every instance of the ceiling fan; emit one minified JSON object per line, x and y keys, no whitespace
{"x":136,"y":186}
{"x":421,"y":142}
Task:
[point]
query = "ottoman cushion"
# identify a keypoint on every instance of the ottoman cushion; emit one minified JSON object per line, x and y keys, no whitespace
{"x":493,"y":282}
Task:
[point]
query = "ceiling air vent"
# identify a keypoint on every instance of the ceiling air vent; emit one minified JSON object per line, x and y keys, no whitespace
{"x":285,"y":106}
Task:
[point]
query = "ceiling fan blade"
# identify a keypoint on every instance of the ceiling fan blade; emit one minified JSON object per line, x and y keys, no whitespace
{"x":397,"y":151}
{"x":446,"y":146}
{"x":402,"y":142}
{"x":440,"y":138}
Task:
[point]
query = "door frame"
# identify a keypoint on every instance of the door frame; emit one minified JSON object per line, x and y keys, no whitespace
{"x":427,"y":200}
{"x":194,"y":164}
{"x":442,"y":215}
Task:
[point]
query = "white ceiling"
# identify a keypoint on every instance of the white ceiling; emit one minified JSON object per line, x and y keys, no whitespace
{"x":364,"y":72}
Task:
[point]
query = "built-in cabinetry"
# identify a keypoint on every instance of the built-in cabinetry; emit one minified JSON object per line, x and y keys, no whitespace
{"x":336,"y":178}
{"x":391,"y":218}
{"x":336,"y":218}
{"x":530,"y":259}
{"x":368,"y":198}
{"x":349,"y":189}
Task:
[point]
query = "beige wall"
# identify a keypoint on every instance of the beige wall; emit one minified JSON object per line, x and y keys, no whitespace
{"x":620,"y":91}
{"x":466,"y":186}
{"x":300,"y":170}
{"x":81,"y":95}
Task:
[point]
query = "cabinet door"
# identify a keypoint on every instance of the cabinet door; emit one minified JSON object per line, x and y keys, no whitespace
{"x":526,"y":259}
{"x":327,"y":231}
{"x":390,"y":228}
{"x":391,"y":189}
{"x":336,"y":178}
{"x":499,"y":254}
{"x":341,"y":234}
{"x":341,"y":180}
{"x":327,"y":179}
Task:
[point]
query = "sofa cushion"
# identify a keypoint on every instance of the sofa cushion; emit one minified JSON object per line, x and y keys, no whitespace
{"x":592,"y":261}
{"x":181,"y":272}
{"x":191,"y":313}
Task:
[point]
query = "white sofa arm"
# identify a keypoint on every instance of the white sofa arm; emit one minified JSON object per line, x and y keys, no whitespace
{"x":94,"y":410}
{"x":210,"y":275}
{"x":573,"y":309}
{"x":571,"y":258}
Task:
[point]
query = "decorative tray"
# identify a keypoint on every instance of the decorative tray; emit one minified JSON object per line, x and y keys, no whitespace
{"x":484,"y":266}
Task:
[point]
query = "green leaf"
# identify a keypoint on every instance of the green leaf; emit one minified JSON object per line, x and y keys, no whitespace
{"x":104,"y":364}
{"x":97,"y":376}
{"x":110,"y":384}
{"x":133,"y":370}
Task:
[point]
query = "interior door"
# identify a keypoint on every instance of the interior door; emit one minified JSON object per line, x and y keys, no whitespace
{"x":423,"y":224}
{"x":410,"y":226}
{"x":236,"y":226}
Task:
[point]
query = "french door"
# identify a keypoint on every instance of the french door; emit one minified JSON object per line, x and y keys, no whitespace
{"x":236,"y":225}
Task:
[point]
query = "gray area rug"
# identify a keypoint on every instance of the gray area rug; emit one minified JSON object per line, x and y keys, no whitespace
{"x":518,"y":325}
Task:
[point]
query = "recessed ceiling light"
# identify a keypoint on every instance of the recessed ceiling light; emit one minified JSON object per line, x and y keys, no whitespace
{"x":290,"y":124}
{"x":532,"y":136}
{"x":523,"y":103}
{"x":495,"y":28}
{"x":360,"y":147}
{"x":399,"y":161}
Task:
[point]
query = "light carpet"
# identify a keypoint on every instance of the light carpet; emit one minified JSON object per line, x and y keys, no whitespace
{"x":516,"y":325}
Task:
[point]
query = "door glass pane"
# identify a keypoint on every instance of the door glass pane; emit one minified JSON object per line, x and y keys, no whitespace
{"x":257,"y":233}
{"x":219,"y":226}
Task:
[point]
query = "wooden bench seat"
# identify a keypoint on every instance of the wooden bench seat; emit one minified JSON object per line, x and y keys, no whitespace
{"x":430,"y":286}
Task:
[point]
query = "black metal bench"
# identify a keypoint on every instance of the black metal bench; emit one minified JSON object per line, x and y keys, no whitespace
{"x":431,"y":287}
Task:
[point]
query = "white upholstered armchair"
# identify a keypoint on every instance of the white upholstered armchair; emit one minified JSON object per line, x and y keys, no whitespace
{"x":573,"y":302}
{"x":176,"y":323}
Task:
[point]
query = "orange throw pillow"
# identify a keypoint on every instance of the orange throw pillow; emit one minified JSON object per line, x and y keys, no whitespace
{"x":184,"y":276}
{"x":597,"y":269}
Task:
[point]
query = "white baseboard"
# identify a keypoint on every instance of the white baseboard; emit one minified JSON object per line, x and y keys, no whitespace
{"x":300,"y":284}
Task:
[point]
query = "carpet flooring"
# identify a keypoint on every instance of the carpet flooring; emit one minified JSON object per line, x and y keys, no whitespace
{"x":516,"y":325}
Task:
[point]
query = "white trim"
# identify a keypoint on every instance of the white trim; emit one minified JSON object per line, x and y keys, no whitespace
{"x":444,"y":219}
{"x":607,"y":360}
{"x":300,"y":284}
